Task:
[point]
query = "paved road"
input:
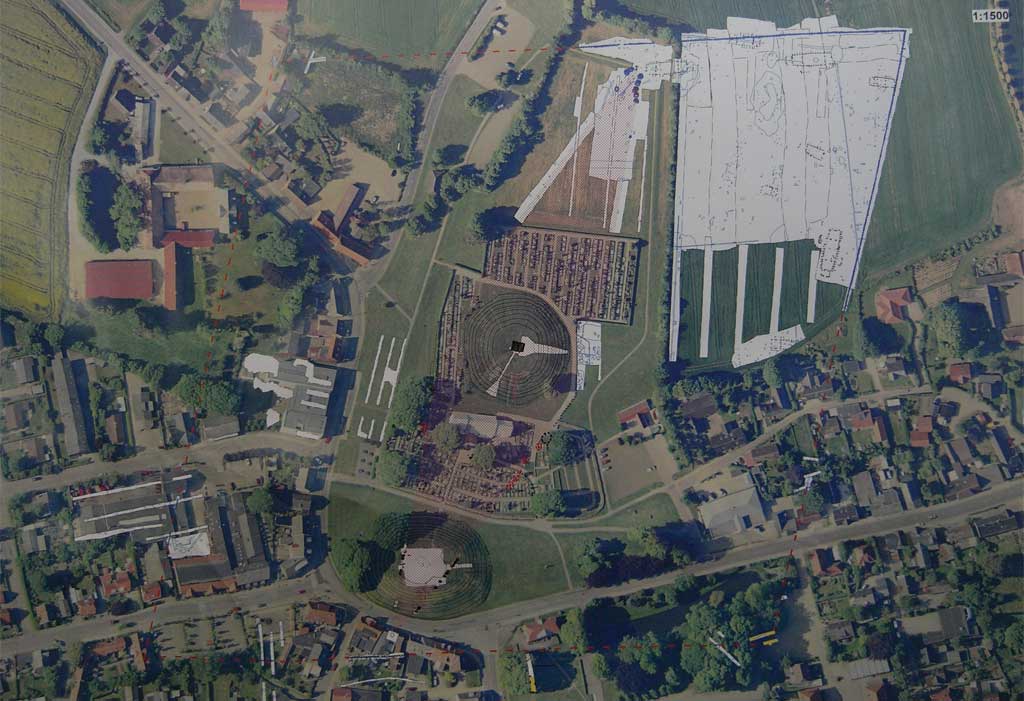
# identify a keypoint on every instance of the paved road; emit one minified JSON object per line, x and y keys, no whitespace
{"x":190,"y":114}
{"x":489,"y":629}
{"x":437,"y":95}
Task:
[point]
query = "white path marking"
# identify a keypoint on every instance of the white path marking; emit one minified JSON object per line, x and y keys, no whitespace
{"x":373,"y":374}
{"x":812,"y":286}
{"x":705,"y":302}
{"x":387,"y":365}
{"x":780,"y":256}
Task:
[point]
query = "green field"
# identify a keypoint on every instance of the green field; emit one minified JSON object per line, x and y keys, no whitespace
{"x":757,"y":306}
{"x":656,"y":510}
{"x":176,"y":146}
{"x":409,"y":33}
{"x":525,"y":563}
{"x":50,"y":69}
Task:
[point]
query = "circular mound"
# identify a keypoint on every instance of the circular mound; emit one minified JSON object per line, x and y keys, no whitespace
{"x":495,"y":331}
{"x":467,"y":561}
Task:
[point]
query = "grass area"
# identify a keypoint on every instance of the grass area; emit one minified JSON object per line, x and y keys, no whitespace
{"x":796,"y":273}
{"x":55,"y":74}
{"x":408,"y":32}
{"x":123,"y":334}
{"x":692,"y":294}
{"x":572,"y":544}
{"x":656,"y":510}
{"x":176,"y":146}
{"x":724,"y":279}
{"x":456,"y":124}
{"x":931,"y":196}
{"x":247,"y":293}
{"x":364,"y":102}
{"x":120,"y":14}
{"x":800,"y":432}
{"x":408,"y":268}
{"x":705,"y":14}
{"x":757,"y":307}
{"x":525,"y":563}
{"x":421,"y":356}
{"x":387,"y":323}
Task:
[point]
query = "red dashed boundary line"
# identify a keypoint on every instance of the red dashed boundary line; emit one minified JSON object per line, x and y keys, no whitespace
{"x":215,"y":323}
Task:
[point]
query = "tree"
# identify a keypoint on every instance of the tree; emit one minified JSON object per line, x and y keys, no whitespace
{"x":54,"y":336}
{"x":99,"y":140}
{"x":771,"y":373}
{"x":647,"y":543}
{"x":394,"y":467}
{"x":276,"y":246}
{"x":572,"y":633}
{"x":126,"y":213}
{"x":260,"y":501}
{"x":352,"y":561}
{"x":547,"y":503}
{"x":879,"y":646}
{"x":512,"y":676}
{"x":512,"y":77}
{"x":590,"y":558}
{"x":947,"y":322}
{"x":602,"y":668}
{"x":311,"y":125}
{"x":412,"y":402}
{"x":216,"y":32}
{"x":483,"y":456}
{"x":208,"y":394}
{"x":564,"y":448}
{"x":446,"y":438}
{"x":156,"y":13}
{"x":182,"y":34}
{"x":486,"y":102}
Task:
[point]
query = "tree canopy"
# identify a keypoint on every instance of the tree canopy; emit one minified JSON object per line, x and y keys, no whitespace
{"x":547,"y":503}
{"x":512,"y":676}
{"x":565,"y":448}
{"x":259,"y":501}
{"x":483,"y":456}
{"x":275,"y":244}
{"x":352,"y":560}
{"x":208,"y":394}
{"x":412,"y":402}
{"x":394,"y":467}
{"x":446,"y":438}
{"x":126,"y":213}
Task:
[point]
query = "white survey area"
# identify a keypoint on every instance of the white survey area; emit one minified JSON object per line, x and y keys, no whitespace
{"x":618,"y":121}
{"x":782,"y":135}
{"x":588,"y":351}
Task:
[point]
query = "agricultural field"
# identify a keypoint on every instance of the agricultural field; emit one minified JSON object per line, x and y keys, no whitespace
{"x":410,"y":33}
{"x":50,"y":69}
{"x":757,"y":307}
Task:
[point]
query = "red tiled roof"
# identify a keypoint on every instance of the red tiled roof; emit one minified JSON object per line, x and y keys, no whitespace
{"x":87,"y":607}
{"x":633,"y":412}
{"x":5,"y":617}
{"x":263,"y":5}
{"x":1013,"y":263}
{"x":119,"y":279}
{"x":119,"y":583}
{"x":108,"y":647}
{"x":924,"y":424}
{"x":171,"y":276}
{"x":919,"y":439}
{"x":192,"y":238}
{"x":891,"y":305}
{"x":152,"y":592}
{"x":959,"y":372}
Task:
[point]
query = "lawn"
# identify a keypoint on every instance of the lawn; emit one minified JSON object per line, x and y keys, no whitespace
{"x":525,"y":563}
{"x":55,"y":71}
{"x":122,"y":334}
{"x":572,"y":544}
{"x":246,"y":294}
{"x":176,"y":146}
{"x":408,"y":33}
{"x":705,"y":14}
{"x":421,"y":355}
{"x":656,"y":510}
{"x":456,"y":124}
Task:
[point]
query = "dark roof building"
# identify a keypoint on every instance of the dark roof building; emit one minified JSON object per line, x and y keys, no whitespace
{"x":24,"y":369}
{"x":72,"y":416}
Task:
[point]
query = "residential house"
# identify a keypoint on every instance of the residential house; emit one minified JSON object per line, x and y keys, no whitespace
{"x":893,"y":306}
{"x":112,"y":584}
{"x":989,"y":386}
{"x":958,"y":452}
{"x":24,"y":369}
{"x":761,"y":454}
{"x":539,"y":631}
{"x":319,"y":613}
{"x":960,"y":373}
{"x":840,"y":631}
{"x":815,"y":385}
{"x":894,"y":368}
{"x":993,"y":526}
{"x":864,"y":487}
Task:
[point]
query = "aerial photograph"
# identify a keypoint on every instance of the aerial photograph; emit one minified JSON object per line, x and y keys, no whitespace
{"x":512,"y":350}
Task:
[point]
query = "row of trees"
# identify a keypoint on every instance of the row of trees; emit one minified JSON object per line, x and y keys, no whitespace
{"x":645,"y":553}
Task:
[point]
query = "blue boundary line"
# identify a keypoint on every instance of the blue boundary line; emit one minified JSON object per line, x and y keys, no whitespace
{"x":795,"y":34}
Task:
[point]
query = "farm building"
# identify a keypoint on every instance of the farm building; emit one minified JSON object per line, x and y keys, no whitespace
{"x":185,"y":206}
{"x":119,"y":279}
{"x":739,"y":510}
{"x":24,"y":369}
{"x":76,"y":440}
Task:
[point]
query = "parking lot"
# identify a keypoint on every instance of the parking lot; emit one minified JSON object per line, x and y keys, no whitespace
{"x":629,"y":469}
